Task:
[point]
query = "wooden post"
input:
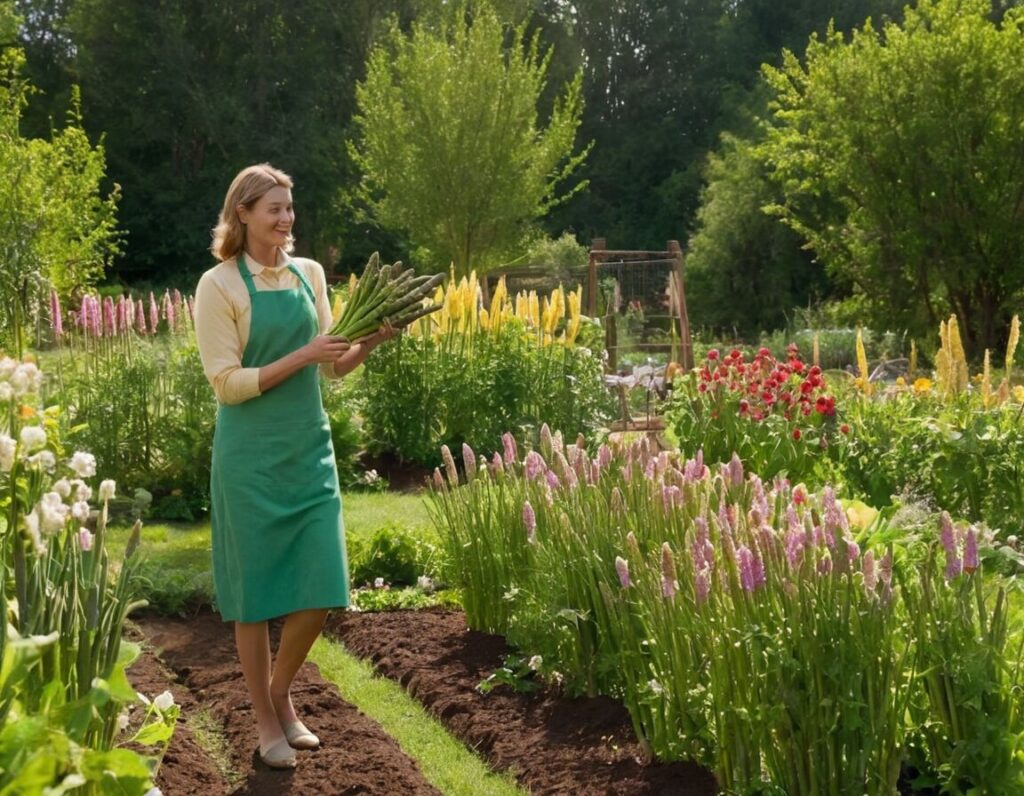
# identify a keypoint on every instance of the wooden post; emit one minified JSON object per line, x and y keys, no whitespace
{"x":685,"y":343}
{"x":598,"y":244}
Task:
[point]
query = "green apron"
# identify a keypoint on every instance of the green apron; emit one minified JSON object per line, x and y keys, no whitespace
{"x":278,"y":537}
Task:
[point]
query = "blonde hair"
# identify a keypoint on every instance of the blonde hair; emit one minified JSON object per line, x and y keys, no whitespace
{"x":249,"y":185}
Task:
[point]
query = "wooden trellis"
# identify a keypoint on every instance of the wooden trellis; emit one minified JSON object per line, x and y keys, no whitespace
{"x":672,"y":256}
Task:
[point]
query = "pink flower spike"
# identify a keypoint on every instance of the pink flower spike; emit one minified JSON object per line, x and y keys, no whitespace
{"x":140,"y":317}
{"x":509,"y":445}
{"x":56,"y":321}
{"x":668,"y":572}
{"x":745,"y":561}
{"x":534,"y":465}
{"x":85,"y":539}
{"x":868,"y":568}
{"x":469,"y":461}
{"x":622,"y":570}
{"x":438,"y":479}
{"x":552,"y":479}
{"x":947,"y":534}
{"x":154,"y":313}
{"x":529,"y":522}
{"x":497,"y":463}
{"x":702,"y":585}
{"x":971,"y":551}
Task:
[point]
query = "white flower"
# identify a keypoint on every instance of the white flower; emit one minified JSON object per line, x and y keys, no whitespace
{"x":164,"y":701}
{"x":656,"y":687}
{"x":6,"y":392}
{"x":85,"y":539}
{"x":122,"y":721}
{"x":62,"y":487}
{"x":52,"y":513}
{"x":33,"y":438}
{"x":425,"y":583}
{"x":26,"y":379}
{"x":44,"y":460}
{"x":80,"y":510}
{"x":7,"y":366}
{"x":378,"y":583}
{"x":82,"y":490}
{"x":84,"y":464}
{"x":32,"y":526}
{"x":107,"y":489}
{"x":535,"y":663}
{"x":7,"y":449}
{"x":154,"y":791}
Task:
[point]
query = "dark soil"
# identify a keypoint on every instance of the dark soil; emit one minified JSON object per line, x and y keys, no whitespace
{"x":401,"y":476}
{"x":553,"y":744}
{"x":356,"y":756}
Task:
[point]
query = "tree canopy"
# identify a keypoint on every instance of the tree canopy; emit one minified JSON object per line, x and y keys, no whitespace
{"x":901,"y":162}
{"x":450,"y":143}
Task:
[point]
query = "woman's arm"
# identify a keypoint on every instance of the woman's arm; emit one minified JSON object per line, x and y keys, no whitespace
{"x":322,"y":348}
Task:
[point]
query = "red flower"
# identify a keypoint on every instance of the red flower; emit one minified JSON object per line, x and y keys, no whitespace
{"x":744,"y":406}
{"x":844,"y":429}
{"x":702,"y":387}
{"x":796,"y":433}
{"x":814,"y":371}
{"x":763,"y":352}
{"x":736,"y":354}
{"x":798,"y":366}
{"x":806,"y":387}
{"x":713,"y":354}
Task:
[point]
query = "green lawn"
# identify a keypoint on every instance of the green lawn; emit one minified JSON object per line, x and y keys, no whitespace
{"x":177,"y":556}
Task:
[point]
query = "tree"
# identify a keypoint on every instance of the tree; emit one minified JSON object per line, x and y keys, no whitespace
{"x":901,"y":162}
{"x":449,"y":139}
{"x":745,"y":269}
{"x":57,"y":229}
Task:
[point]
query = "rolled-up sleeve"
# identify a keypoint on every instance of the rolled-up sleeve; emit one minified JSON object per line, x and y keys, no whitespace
{"x":220,"y":345}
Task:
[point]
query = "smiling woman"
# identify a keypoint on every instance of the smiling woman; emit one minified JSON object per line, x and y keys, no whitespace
{"x":278,"y":537}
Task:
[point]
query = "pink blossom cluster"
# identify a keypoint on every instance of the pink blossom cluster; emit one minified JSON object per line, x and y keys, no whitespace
{"x":104,"y":317}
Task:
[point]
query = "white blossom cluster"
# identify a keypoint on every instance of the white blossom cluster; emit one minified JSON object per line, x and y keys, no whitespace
{"x":67,"y":498}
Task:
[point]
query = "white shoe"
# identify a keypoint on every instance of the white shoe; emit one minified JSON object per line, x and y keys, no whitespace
{"x":278,"y":755}
{"x":299,"y":736}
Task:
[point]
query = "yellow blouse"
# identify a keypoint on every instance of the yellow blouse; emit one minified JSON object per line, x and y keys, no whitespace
{"x":222,"y":317}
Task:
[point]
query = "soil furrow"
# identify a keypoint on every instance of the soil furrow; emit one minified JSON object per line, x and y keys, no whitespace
{"x":356,"y":756}
{"x":553,"y":744}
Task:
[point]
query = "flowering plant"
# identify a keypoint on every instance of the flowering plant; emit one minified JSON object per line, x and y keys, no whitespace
{"x":744,"y":623}
{"x":777,"y":416}
{"x":65,"y":612}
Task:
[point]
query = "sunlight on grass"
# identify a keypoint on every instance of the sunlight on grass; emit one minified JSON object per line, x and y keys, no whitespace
{"x":445,"y":762}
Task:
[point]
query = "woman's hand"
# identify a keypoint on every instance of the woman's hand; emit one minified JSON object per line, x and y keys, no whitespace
{"x":325,"y":348}
{"x":382,"y":335}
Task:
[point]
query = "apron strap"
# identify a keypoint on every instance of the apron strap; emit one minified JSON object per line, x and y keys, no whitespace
{"x":243,"y":269}
{"x":303,"y":281}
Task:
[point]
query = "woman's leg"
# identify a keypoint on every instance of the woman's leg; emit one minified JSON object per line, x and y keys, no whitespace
{"x":297,"y":636}
{"x":253,"y":642}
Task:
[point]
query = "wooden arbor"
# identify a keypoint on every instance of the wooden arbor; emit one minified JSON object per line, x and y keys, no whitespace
{"x":677,"y":292}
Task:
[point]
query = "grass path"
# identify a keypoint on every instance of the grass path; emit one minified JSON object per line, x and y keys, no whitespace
{"x":446,"y":763}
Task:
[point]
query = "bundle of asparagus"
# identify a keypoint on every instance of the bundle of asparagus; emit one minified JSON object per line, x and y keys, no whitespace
{"x":385,"y":294}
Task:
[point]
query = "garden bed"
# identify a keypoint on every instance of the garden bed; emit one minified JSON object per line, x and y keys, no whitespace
{"x":553,"y":744}
{"x":357,"y":756}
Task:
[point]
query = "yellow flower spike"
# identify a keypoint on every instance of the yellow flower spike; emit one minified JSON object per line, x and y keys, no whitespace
{"x":958,"y":357}
{"x":534,"y":309}
{"x":1011,"y":344}
{"x":816,"y":350}
{"x":912,"y":369}
{"x":485,"y":320}
{"x":862,"y":364}
{"x":498,"y":299}
{"x":339,"y":305}
{"x":1018,"y":393}
{"x":352,"y":281}
{"x":942,"y":359}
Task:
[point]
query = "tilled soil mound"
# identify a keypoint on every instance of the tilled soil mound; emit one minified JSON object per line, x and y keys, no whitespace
{"x":357,"y":756}
{"x":553,"y":744}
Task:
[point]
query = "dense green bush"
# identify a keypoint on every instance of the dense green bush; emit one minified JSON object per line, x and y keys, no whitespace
{"x":421,"y":393}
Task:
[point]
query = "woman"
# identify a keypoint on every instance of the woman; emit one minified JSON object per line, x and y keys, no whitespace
{"x":278,"y":538}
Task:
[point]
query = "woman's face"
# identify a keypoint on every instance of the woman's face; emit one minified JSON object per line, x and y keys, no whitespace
{"x":269,"y":221}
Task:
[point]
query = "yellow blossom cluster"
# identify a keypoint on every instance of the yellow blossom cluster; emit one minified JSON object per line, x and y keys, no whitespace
{"x":952,"y":377}
{"x":463,"y":311}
